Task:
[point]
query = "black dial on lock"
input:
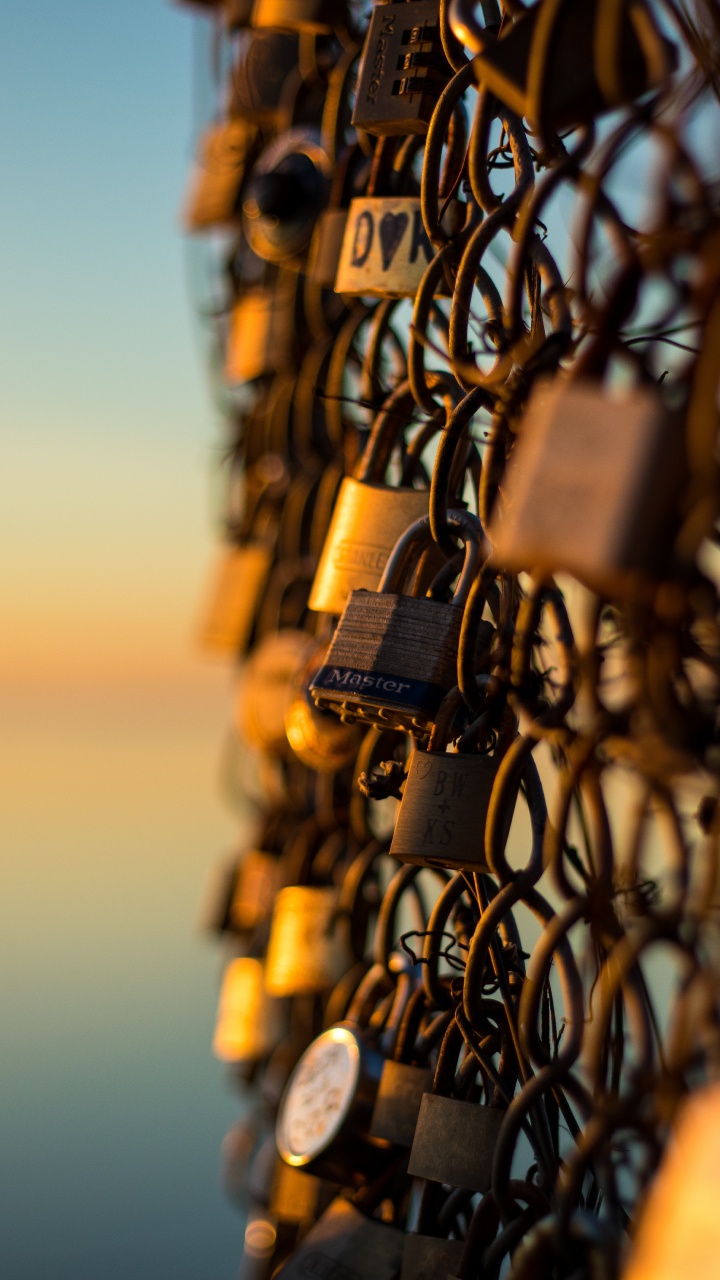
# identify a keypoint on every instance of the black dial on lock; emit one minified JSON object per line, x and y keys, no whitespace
{"x":286,"y":192}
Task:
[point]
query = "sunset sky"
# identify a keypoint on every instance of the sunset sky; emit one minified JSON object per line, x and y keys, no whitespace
{"x":113,"y":1109}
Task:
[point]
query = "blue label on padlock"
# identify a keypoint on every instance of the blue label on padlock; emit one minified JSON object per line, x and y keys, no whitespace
{"x":379,"y":687}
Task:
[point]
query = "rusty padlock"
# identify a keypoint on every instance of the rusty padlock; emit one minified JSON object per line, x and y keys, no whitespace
{"x":346,"y":1244}
{"x":394,"y":657}
{"x":225,"y":153}
{"x":368,"y":518}
{"x":249,"y":1022}
{"x":454,"y":1139}
{"x":324,"y":1116}
{"x":308,"y":950}
{"x":284,"y":195}
{"x":590,"y":485}
{"x":403,"y":69}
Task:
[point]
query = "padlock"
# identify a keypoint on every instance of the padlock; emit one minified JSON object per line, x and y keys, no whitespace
{"x":295,"y":1194}
{"x":344,"y":1244}
{"x":430,"y":1258}
{"x":323,"y":1120}
{"x":403,"y":69}
{"x":318,"y":16}
{"x":249,"y":1022}
{"x":553,"y":65}
{"x":589,"y":487}
{"x":261,"y":333}
{"x":265,"y":60}
{"x":397,"y":1104}
{"x":442,"y":814}
{"x":308,"y":951}
{"x":239,"y":894}
{"x":394,"y":657}
{"x":265,"y":690}
{"x":232,"y":607}
{"x":225,"y":153}
{"x":385,"y":247}
{"x":285,"y":194}
{"x":455,"y":1142}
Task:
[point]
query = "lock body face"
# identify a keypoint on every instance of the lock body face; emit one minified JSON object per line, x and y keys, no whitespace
{"x":305,"y":954}
{"x":588,"y":487}
{"x":260,"y":337}
{"x":345,"y":1245}
{"x":397,"y":1104}
{"x":427,"y":1257}
{"x":385,"y":249}
{"x":366,"y":523}
{"x":455,"y":1142}
{"x":225,"y":152}
{"x":249,"y":1022}
{"x":256,"y":884}
{"x":234,"y":599}
{"x":403,"y":69}
{"x":444,"y":808}
{"x":571,"y":93}
{"x":391,"y":661}
{"x":318,"y":16}
{"x":265,"y":692}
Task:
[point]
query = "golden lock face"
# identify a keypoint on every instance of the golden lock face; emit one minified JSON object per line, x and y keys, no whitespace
{"x":256,"y":884}
{"x":320,"y":741}
{"x":307,"y":952}
{"x":234,"y":598}
{"x":261,"y":334}
{"x":366,"y":523}
{"x":249,"y":1022}
{"x":225,"y":152}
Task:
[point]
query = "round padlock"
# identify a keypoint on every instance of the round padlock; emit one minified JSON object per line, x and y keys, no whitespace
{"x":325,"y":1113}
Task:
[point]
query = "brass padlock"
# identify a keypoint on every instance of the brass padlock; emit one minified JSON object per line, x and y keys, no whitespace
{"x":249,"y":1022}
{"x":308,"y":951}
{"x":430,"y":1258}
{"x":455,"y":1142}
{"x":285,"y":194}
{"x":346,"y":1245}
{"x":589,"y":487}
{"x":403,"y":69}
{"x":397,"y":1104}
{"x":394,"y":657}
{"x":444,"y":808}
{"x":553,"y":65}
{"x":235,"y":597}
{"x":324,"y":1116}
{"x":225,"y":152}
{"x":318,"y":16}
{"x":261,"y":333}
{"x":326,"y":247}
{"x":318,"y":738}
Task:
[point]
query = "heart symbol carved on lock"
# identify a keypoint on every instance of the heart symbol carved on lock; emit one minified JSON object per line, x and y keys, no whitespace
{"x":392,"y":230}
{"x":423,"y":768}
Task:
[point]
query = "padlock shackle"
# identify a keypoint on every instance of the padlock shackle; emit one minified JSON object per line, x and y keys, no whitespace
{"x":468,"y":529}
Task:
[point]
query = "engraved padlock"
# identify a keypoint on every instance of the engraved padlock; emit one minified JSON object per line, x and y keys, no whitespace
{"x":285,"y":194}
{"x":225,"y":153}
{"x":445,"y":803}
{"x":562,"y":72}
{"x":308,"y":950}
{"x":368,"y":518}
{"x":234,"y":598}
{"x":403,"y":69}
{"x":324,"y":1116}
{"x":385,"y":248}
{"x":265,"y":60}
{"x":589,"y":488}
{"x":394,"y":657}
{"x":344,"y":1244}
{"x":249,"y":1022}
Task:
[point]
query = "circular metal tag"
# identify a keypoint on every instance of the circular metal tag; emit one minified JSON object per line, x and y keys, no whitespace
{"x":319,"y":1096}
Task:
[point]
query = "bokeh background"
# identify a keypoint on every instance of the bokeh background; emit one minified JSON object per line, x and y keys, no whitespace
{"x":112,"y":1107}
